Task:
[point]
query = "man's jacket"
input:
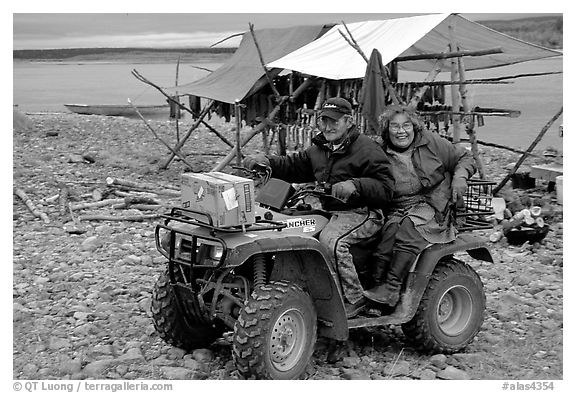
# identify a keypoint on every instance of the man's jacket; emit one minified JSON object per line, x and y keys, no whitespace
{"x":359,"y":158}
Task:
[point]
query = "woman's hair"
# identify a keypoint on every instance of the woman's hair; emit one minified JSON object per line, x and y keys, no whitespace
{"x":392,"y":110}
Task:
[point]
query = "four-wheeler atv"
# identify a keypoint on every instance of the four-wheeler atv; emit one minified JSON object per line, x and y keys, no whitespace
{"x":278,"y":288}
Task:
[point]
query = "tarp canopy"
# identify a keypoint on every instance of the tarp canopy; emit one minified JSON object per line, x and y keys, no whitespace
{"x":237,"y":77}
{"x":331,"y":57}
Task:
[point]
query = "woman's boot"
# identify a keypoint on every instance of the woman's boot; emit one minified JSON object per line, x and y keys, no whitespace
{"x":389,"y":292}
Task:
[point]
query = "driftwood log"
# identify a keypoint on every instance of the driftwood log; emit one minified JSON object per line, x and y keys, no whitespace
{"x":104,"y":217}
{"x":168,"y":190}
{"x":64,"y":194}
{"x":141,"y":206}
{"x":91,"y":205}
{"x":144,"y":194}
{"x":118,"y":203}
{"x":31,"y":206}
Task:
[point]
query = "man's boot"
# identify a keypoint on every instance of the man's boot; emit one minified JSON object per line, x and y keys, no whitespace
{"x":389,"y":292}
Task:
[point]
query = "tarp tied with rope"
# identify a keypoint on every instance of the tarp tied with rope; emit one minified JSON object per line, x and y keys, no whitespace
{"x":331,"y":57}
{"x":243,"y":73}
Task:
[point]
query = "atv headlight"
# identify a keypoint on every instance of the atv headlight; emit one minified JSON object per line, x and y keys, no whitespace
{"x":213,"y":250}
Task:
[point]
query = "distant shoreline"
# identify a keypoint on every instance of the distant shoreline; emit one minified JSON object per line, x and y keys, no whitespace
{"x":124,"y":55}
{"x":126,"y":60}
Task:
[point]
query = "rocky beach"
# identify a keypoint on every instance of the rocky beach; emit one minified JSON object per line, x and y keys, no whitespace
{"x":82,"y":284}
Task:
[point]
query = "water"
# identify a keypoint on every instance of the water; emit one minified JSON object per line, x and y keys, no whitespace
{"x":41,"y":87}
{"x":538,"y":98}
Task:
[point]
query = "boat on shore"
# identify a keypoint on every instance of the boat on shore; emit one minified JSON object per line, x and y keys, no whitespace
{"x":124,"y":110}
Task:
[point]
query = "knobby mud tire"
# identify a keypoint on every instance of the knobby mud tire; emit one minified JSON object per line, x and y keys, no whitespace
{"x":451,"y":311}
{"x":275,"y":333}
{"x":170,"y":323}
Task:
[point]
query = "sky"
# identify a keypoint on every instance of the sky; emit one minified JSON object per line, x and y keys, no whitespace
{"x":74,"y":27}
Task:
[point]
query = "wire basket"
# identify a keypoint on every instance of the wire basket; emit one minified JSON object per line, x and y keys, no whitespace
{"x":477,"y":207}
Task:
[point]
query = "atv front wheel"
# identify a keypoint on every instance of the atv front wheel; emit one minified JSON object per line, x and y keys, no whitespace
{"x":275,"y":332}
{"x":451,"y":311}
{"x":171,"y":325}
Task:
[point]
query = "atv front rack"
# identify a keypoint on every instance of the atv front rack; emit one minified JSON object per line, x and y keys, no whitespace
{"x":201,"y":219}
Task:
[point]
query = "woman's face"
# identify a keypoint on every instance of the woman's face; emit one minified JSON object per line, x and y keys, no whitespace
{"x":401,"y":131}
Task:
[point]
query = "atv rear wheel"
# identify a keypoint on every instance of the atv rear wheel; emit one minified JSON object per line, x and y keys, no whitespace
{"x":275,"y":332}
{"x":171,"y":325}
{"x":451,"y":311}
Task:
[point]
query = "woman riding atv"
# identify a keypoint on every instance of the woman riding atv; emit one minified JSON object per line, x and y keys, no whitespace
{"x":429,"y":174}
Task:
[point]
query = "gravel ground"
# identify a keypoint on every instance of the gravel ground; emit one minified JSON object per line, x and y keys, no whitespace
{"x":81,"y":292}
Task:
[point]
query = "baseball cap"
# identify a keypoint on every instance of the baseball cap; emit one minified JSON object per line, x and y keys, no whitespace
{"x":335,"y":108}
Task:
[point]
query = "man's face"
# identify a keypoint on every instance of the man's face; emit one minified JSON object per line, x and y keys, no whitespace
{"x":334,"y":130}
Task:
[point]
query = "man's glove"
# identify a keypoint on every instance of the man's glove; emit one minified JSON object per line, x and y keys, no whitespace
{"x":344,"y":190}
{"x":252,"y":161}
{"x":459,"y":187}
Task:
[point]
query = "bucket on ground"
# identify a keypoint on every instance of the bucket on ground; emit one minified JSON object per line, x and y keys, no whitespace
{"x":559,"y":189}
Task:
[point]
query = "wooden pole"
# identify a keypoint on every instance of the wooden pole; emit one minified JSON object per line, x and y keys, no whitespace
{"x":383,"y":72}
{"x":270,"y":81}
{"x":530,"y":148}
{"x":497,"y":80}
{"x":468,"y":120}
{"x":238,"y":127}
{"x":455,"y":101}
{"x":478,"y":112}
{"x":456,"y":130}
{"x":178,"y":111}
{"x":199,"y":120}
{"x":183,"y":107}
{"x":218,"y":134}
{"x":265,"y":140}
{"x":436,"y":69}
{"x":448,"y":55}
{"x":496,"y":145}
{"x":307,"y":82}
{"x":176,"y":152}
{"x":179,"y":145}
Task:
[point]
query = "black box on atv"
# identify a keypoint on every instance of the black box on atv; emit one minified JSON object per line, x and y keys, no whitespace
{"x":275,"y":193}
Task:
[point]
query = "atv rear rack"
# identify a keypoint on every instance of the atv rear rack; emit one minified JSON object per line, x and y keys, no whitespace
{"x":477,"y":206}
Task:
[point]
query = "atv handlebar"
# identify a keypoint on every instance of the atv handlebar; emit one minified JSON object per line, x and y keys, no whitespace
{"x":321,"y":191}
{"x":260,"y":173}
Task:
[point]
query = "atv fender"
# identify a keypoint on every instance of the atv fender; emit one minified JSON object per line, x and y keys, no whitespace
{"x":424,"y":265}
{"x":474,"y":245}
{"x":419,"y":275}
{"x":304,"y":261}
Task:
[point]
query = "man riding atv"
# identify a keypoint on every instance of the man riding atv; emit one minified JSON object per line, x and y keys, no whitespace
{"x":357,"y":172}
